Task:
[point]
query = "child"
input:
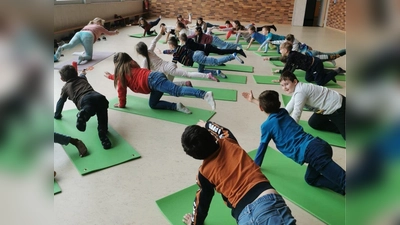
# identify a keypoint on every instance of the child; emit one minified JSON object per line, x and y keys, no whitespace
{"x":293,"y":142}
{"x":88,"y":101}
{"x":204,"y":25}
{"x":65,"y":140}
{"x":312,"y":65}
{"x":202,"y":38}
{"x":239,"y":27}
{"x":228,"y":27}
{"x":187,"y":57}
{"x":229,"y":170}
{"x":307,"y":50}
{"x":152,"y":62}
{"x":329,"y":106}
{"x":263,"y":38}
{"x":180,"y":19}
{"x":148,"y":25}
{"x":86,"y":37}
{"x":207,"y":48}
{"x":129,"y":74}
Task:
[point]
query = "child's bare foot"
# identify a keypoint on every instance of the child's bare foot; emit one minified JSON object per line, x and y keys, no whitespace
{"x":187,"y":219}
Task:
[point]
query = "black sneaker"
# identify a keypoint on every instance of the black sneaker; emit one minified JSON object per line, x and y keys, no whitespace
{"x":340,"y":70}
{"x":81,"y":121}
{"x":105,"y":141}
{"x":242,"y":53}
{"x":104,"y":38}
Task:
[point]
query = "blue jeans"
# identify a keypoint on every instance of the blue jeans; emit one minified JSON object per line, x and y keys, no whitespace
{"x":217,"y":42}
{"x":94,"y":103}
{"x":61,"y":139}
{"x":318,"y":74}
{"x":322,"y":171}
{"x":85,"y":38}
{"x":269,"y":209}
{"x":159,"y":84}
{"x":203,"y":60}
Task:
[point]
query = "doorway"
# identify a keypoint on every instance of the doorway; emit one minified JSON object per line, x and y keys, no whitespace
{"x":315,"y":13}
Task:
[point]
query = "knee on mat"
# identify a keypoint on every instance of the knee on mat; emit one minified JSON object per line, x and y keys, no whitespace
{"x":152,"y":105}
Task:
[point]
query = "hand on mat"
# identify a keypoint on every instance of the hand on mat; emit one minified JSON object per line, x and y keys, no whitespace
{"x":116,"y":105}
{"x":275,"y":81}
{"x":248,"y":95}
{"x":201,"y":123}
{"x":259,"y":50}
{"x":107,"y":75}
{"x":276,"y":71}
{"x":187,"y":219}
{"x":266,"y":58}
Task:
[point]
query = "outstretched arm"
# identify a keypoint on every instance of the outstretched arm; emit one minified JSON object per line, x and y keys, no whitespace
{"x":251,"y":42}
{"x":217,"y":130}
{"x":60,"y":106}
{"x":155,"y":40}
{"x":250,"y":97}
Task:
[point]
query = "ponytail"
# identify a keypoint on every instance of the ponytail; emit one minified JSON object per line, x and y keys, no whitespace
{"x":141,"y":49}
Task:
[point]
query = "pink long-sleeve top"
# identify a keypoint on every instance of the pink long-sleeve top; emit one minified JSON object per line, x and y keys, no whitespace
{"x":97,"y":30}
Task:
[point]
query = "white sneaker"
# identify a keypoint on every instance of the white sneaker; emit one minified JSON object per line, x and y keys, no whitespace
{"x":210,"y":99}
{"x":181,"y":108}
{"x":238,"y":58}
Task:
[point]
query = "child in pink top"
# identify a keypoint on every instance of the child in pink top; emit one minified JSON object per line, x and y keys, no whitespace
{"x":86,"y":37}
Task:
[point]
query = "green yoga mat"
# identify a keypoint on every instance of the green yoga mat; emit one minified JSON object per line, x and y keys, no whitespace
{"x":140,"y":106}
{"x":98,"y":158}
{"x":219,"y":93}
{"x":141,"y":35}
{"x":57,"y":188}
{"x":281,"y":64}
{"x":270,"y":53}
{"x":332,"y":138}
{"x":285,"y":175}
{"x":231,"y":78}
{"x":230,"y":67}
{"x":242,"y":42}
{"x":262,"y":79}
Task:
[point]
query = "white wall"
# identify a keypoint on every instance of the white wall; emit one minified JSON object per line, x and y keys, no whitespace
{"x":66,"y":16}
{"x":298,"y":12}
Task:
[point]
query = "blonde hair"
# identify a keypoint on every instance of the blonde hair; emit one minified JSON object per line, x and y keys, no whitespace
{"x":97,"y":19}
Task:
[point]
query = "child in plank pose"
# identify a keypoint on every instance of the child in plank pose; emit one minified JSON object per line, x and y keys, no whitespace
{"x":264,"y":38}
{"x":204,"y":25}
{"x":329,"y":106}
{"x":152,"y":62}
{"x":187,"y":57}
{"x":228,"y":27}
{"x":229,"y":170}
{"x":202,"y":38}
{"x":86,"y":37}
{"x":312,"y":65}
{"x":293,"y":142}
{"x":307,"y":50}
{"x":129,"y":74}
{"x":148,"y":25}
{"x":88,"y":101}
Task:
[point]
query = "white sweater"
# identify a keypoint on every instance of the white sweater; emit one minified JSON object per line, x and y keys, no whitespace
{"x":321,"y":98}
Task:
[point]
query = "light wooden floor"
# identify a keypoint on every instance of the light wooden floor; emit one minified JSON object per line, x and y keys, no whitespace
{"x":126,"y":194}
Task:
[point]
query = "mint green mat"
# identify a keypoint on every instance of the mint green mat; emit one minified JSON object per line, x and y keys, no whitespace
{"x":98,"y":158}
{"x":140,"y":106}
{"x":286,"y":176}
{"x":57,"y":188}
{"x":141,"y":35}
{"x":230,"y":67}
{"x":231,"y":78}
{"x":281,"y":64}
{"x":261,"y":79}
{"x":219,"y":93}
{"x":302,"y":73}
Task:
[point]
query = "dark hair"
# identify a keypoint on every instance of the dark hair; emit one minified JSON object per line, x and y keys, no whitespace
{"x":181,"y":25}
{"x":240,"y":27}
{"x":287,"y":45}
{"x":183,"y":37}
{"x":68,"y":72}
{"x":162,"y":24}
{"x":173,"y":41}
{"x":198,"y":142}
{"x":198,"y":37}
{"x":201,"y":19}
{"x":144,"y":21}
{"x":179,"y":16}
{"x":251,"y":27}
{"x":290,"y":37}
{"x":269,"y":101}
{"x":227,"y":22}
{"x":287,"y":75}
{"x":142,"y":49}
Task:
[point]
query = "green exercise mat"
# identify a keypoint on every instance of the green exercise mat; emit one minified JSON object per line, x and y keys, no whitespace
{"x":141,"y":35}
{"x":98,"y":158}
{"x":302,"y":73}
{"x":242,"y":42}
{"x":57,"y":188}
{"x":269,"y":53}
{"x":140,"y":106}
{"x":285,"y":175}
{"x":281,"y":64}
{"x":162,"y":42}
{"x":262,"y":79}
{"x":219,"y":93}
{"x":230,"y":67}
{"x":217,"y":32}
{"x":231,"y":78}
{"x":332,"y":138}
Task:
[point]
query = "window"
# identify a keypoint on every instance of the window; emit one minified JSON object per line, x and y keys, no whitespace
{"x":63,"y":2}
